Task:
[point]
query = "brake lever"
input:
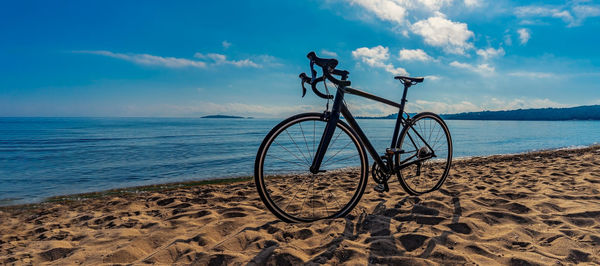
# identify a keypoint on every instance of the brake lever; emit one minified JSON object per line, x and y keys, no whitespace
{"x":303,"y":77}
{"x":303,"y":89}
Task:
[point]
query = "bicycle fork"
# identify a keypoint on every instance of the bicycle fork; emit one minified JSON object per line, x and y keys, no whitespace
{"x":333,"y":118}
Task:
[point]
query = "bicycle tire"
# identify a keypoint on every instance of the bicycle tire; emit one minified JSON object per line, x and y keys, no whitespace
{"x":270,"y":185}
{"x":433,"y":129}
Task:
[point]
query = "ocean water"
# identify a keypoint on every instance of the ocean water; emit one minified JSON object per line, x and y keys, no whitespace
{"x":43,"y":157}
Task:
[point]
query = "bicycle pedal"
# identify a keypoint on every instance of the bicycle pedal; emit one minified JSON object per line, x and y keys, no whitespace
{"x":381,"y":188}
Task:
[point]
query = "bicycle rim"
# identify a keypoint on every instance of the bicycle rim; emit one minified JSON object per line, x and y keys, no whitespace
{"x":285,"y":183}
{"x":430,"y":174}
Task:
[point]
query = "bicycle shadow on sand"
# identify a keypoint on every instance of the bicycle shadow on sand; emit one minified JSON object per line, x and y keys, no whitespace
{"x":394,"y":233}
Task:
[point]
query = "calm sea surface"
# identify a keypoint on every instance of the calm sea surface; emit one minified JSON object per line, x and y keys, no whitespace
{"x":42,"y":157}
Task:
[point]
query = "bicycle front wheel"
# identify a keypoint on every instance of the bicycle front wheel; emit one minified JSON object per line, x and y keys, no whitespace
{"x":286,"y":185}
{"x":427,"y":149}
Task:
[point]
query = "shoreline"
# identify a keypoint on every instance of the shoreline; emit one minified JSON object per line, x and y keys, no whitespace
{"x":231,"y":180}
{"x":127,"y":191}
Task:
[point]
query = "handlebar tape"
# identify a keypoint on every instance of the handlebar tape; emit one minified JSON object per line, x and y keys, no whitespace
{"x":328,"y":66}
{"x":322,"y":62}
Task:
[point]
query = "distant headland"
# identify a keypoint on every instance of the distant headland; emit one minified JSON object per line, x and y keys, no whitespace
{"x":590,"y":112}
{"x":225,"y":116}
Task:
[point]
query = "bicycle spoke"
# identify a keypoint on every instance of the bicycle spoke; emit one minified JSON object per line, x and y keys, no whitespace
{"x":292,"y":199}
{"x":285,"y":192}
{"x":297,"y":146}
{"x":325,"y":202}
{"x":291,"y":190}
{"x":420,"y":129}
{"x":331,"y":145}
{"x":305,"y":142}
{"x":314,"y":136}
{"x":412,"y":141}
{"x":429,"y":132}
{"x":290,"y":152}
{"x":312,"y":198}
{"x":304,"y":201}
{"x":337,"y":152}
{"x":437,"y":137}
{"x":342,"y":159}
{"x":284,"y":160}
{"x":335,"y":198}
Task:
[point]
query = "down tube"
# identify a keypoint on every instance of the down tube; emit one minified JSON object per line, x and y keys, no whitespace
{"x":352,"y":122}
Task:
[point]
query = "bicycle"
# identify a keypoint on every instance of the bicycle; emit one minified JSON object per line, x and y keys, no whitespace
{"x":313,"y":166}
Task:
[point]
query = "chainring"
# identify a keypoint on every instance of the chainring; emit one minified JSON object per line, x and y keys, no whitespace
{"x":379,"y":175}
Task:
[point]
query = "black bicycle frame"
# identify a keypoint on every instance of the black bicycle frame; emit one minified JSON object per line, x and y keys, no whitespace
{"x":340,"y":107}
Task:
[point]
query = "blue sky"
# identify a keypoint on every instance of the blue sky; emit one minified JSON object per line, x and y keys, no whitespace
{"x":190,"y":58}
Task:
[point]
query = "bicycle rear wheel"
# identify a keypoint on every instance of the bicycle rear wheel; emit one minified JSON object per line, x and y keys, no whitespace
{"x":426,"y":135}
{"x":287,"y":187}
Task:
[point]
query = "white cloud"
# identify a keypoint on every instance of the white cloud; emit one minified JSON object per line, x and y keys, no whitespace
{"x":532,"y":11}
{"x":173,"y":62}
{"x":414,"y":55}
{"x":267,"y":60}
{"x":220,"y":59}
{"x":508,"y":39}
{"x":536,"y":75}
{"x":377,"y":57}
{"x":438,"y":31}
{"x":329,"y":53}
{"x":433,"y":5}
{"x":573,"y":13}
{"x":226,"y":44}
{"x":524,"y":35}
{"x":585,"y":11}
{"x":432,"y":77}
{"x":490,"y":52}
{"x":442,"y":107}
{"x":211,"y":108}
{"x":397,"y":10}
{"x":472,"y":3}
{"x":451,"y":107}
{"x":387,"y":10}
{"x":149,"y":60}
{"x":564,"y":15}
{"x":360,"y":107}
{"x":495,"y":104}
{"x":483,"y":69}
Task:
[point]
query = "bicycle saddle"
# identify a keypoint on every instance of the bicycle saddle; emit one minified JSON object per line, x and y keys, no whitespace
{"x":415,"y":80}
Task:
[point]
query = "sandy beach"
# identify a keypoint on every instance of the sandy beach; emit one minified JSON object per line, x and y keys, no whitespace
{"x":535,"y":208}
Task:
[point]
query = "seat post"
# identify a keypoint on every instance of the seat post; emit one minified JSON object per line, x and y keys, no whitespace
{"x":407,"y":85}
{"x":400,"y":113}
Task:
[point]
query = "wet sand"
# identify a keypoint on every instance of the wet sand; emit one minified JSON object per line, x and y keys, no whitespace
{"x":537,"y":208}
